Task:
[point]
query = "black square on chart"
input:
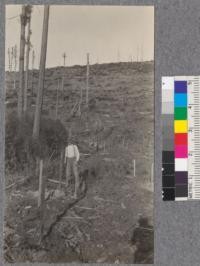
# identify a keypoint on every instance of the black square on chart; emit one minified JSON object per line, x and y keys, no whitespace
{"x":167,"y":169}
{"x":168,"y":157}
{"x":182,"y":190}
{"x":168,"y":194}
{"x":168,"y":181}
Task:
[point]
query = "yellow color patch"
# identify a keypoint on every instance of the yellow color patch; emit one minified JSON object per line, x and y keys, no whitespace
{"x":180,"y":126}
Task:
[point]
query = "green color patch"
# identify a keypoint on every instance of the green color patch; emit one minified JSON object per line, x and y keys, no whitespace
{"x":180,"y":113}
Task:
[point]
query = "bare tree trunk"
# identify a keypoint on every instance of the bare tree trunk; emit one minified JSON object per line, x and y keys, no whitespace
{"x":33,"y":61}
{"x":27,"y":64}
{"x":57,"y":93}
{"x":87,"y":79}
{"x":39,"y":100}
{"x":12,"y":58}
{"x":80,"y":102}
{"x":9,"y":60}
{"x":21,"y":63}
{"x":15,"y":65}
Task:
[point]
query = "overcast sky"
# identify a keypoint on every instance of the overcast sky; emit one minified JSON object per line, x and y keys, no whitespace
{"x":108,"y":33}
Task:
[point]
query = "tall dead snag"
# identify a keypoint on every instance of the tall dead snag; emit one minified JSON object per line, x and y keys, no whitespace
{"x":15,"y":65}
{"x":64,"y":59}
{"x":63,"y":77}
{"x":21,"y":63}
{"x":33,"y":61}
{"x":9,"y":60}
{"x":57,"y":95}
{"x":28,"y":17}
{"x":39,"y":100}
{"x":12,"y":57}
{"x":80,"y":102}
{"x":87,"y":78}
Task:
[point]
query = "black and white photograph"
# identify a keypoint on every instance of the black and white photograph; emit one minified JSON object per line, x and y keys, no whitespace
{"x":79,"y":134}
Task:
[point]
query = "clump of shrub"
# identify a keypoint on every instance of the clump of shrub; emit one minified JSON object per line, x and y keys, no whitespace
{"x":22,"y":149}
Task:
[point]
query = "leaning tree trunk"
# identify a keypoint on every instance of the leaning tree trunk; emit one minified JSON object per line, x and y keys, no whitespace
{"x":21,"y":63}
{"x":27,"y":65}
{"x":39,"y":100}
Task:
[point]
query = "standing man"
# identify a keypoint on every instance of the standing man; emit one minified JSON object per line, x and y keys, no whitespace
{"x":72,"y":157}
{"x":142,"y":239}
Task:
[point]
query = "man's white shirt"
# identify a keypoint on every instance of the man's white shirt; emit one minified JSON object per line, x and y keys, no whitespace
{"x":72,"y":151}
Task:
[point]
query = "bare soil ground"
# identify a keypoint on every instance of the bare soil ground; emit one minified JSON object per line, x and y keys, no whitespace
{"x":115,"y":130}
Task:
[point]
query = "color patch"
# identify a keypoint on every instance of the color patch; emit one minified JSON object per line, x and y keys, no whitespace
{"x":181,"y":139}
{"x":181,"y":164}
{"x":180,"y":126}
{"x":168,"y":181}
{"x":181,"y":191}
{"x":180,"y":113}
{"x":181,"y":177}
{"x":168,"y":107}
{"x":180,"y":100}
{"x":168,"y":194}
{"x":168,"y":95}
{"x":180,"y":86}
{"x":168,"y":156}
{"x":181,"y":151}
{"x":168,"y":169}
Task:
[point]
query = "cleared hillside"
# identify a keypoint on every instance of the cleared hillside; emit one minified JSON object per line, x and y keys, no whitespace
{"x":113,"y":133}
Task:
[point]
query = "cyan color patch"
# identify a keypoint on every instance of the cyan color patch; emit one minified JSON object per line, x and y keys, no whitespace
{"x":180,"y":99}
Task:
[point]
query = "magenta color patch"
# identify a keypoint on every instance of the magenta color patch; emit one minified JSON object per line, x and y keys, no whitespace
{"x":181,"y":151}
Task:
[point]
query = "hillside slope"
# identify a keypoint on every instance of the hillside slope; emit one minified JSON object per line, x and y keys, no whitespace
{"x":113,"y":134}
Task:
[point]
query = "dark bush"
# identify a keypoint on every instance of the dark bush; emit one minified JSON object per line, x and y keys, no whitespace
{"x":22,"y":149}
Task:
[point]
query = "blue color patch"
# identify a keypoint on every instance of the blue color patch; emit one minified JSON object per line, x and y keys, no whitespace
{"x":180,"y":86}
{"x":180,"y":99}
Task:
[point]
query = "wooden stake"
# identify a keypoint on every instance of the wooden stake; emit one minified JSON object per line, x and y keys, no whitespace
{"x":134,"y":168}
{"x":41,"y":196}
{"x":61,"y":168}
{"x":152,"y":172}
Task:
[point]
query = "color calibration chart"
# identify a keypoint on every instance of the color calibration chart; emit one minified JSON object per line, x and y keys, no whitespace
{"x":181,"y":138}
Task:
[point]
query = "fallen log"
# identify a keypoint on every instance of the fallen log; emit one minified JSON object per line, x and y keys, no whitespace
{"x":73,"y":217}
{"x":15,"y":183}
{"x":85,"y":208}
{"x":58,"y":217}
{"x":55,"y":181}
